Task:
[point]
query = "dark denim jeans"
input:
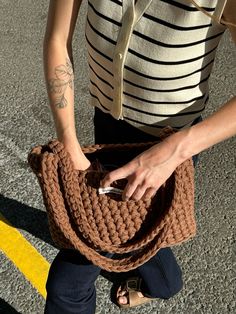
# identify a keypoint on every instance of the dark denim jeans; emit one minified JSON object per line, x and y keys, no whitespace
{"x":70,"y":284}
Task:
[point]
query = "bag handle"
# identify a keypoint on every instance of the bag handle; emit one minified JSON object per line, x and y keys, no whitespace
{"x":74,"y":200}
{"x":46,"y":165}
{"x":218,"y":13}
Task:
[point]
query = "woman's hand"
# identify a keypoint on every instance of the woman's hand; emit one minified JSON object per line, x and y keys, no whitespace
{"x":148,"y":171}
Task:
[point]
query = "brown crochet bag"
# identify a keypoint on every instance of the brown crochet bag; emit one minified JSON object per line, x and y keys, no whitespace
{"x":80,"y":218}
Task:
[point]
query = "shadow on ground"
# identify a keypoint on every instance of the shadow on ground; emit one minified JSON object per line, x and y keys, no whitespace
{"x":5,"y":308}
{"x":27,"y":218}
{"x":34,"y":221}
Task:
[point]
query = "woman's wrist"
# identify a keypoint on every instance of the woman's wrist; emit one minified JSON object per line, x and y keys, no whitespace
{"x":181,"y":141}
{"x":216,"y":128}
{"x":72,"y":146}
{"x":67,"y":135}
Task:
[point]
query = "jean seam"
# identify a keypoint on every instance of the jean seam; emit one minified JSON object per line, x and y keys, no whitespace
{"x":162,"y":270}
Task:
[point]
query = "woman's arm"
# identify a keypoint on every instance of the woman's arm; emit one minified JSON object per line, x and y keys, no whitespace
{"x":147,"y":172}
{"x":59,"y":74}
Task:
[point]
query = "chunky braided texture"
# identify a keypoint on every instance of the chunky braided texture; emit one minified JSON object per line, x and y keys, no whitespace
{"x":81,"y":219}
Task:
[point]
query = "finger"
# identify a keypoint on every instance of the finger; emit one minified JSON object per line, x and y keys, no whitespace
{"x":130,"y":187}
{"x":150,"y":192}
{"x":114,"y":175}
{"x":139,"y":192}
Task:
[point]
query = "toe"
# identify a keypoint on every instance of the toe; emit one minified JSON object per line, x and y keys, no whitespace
{"x":122,"y":300}
{"x":122,"y":293}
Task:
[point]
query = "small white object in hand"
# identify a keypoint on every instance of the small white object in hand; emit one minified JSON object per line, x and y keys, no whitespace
{"x":109,"y":189}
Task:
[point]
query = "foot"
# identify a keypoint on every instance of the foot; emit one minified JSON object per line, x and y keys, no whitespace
{"x":123,"y":296}
{"x":130,"y":295}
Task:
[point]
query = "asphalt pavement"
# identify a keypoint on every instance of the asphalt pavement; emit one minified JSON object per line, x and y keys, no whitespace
{"x":208,"y":261}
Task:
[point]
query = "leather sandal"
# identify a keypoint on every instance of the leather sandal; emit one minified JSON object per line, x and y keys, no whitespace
{"x":132,"y":287}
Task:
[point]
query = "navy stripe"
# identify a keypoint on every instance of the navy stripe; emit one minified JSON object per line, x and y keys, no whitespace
{"x":152,"y":40}
{"x":162,"y":22}
{"x":147,"y":113}
{"x":170,"y":62}
{"x":117,"y":2}
{"x":100,"y":64}
{"x":167,"y":78}
{"x":150,"y":125}
{"x":163,"y":102}
{"x":93,"y":83}
{"x":104,"y":16}
{"x":150,"y":101}
{"x":98,"y":51}
{"x":179,"y":114}
{"x":147,"y":58}
{"x":101,"y":34}
{"x":177,"y":4}
{"x":98,"y":76}
{"x":156,"y":126}
{"x":185,"y":7}
{"x":99,"y":101}
{"x":173,"y":26}
{"x":151,"y":89}
{"x":161,"y":44}
{"x":153,"y":77}
{"x":167,"y":90}
{"x":176,"y":27}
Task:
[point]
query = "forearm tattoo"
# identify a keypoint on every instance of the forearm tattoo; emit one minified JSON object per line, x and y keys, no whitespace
{"x":64,"y":77}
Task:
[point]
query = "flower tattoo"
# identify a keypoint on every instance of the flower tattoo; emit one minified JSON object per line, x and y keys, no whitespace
{"x":64,"y":77}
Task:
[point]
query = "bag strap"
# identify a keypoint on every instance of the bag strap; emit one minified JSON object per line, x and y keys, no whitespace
{"x":73,"y":196}
{"x":74,"y":200}
{"x":46,"y":165}
{"x":56,"y":206}
{"x":218,"y":13}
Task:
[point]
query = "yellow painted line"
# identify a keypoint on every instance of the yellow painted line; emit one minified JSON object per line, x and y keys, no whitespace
{"x":25,"y":257}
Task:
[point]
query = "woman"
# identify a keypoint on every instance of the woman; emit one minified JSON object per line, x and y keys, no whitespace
{"x":150,"y":62}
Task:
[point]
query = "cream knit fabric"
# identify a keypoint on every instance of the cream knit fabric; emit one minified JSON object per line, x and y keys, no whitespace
{"x":150,"y":61}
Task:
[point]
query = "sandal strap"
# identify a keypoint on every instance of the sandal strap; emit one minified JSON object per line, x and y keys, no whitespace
{"x":132,"y":287}
{"x":133,"y":284}
{"x":134,"y":299}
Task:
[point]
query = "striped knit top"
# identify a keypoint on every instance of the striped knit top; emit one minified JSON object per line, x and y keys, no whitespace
{"x":150,"y":60}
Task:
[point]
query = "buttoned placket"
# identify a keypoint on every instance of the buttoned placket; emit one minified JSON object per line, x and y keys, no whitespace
{"x":132,"y":12}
